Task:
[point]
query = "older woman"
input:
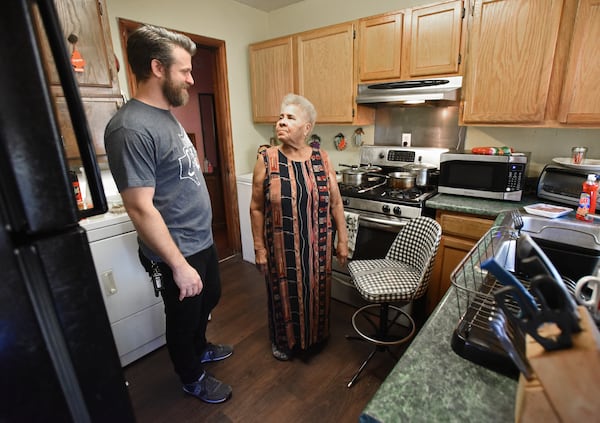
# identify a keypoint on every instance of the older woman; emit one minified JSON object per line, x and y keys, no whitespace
{"x":295,"y":201}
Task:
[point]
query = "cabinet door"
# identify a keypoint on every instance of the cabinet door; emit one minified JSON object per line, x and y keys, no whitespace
{"x":512,"y":47}
{"x":380,"y":47}
{"x":98,"y":112}
{"x":460,"y":232}
{"x":326,"y":71}
{"x":87,"y":21}
{"x":580,"y":103}
{"x":271,"y":77}
{"x":434,"y":45}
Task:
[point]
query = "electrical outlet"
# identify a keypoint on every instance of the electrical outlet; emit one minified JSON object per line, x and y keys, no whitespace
{"x":406,"y":139}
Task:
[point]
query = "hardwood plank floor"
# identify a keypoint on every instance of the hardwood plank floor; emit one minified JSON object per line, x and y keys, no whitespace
{"x":306,"y":389}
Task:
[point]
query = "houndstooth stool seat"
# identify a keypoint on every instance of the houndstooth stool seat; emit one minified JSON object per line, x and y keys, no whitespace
{"x":400,"y":278}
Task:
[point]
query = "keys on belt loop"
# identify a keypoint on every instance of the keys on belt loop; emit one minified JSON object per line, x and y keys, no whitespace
{"x":156,"y":278}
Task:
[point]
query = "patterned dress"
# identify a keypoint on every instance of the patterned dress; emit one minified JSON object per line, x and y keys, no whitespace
{"x":298,"y":234}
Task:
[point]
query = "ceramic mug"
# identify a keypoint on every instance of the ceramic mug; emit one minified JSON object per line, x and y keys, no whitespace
{"x":591,"y":283}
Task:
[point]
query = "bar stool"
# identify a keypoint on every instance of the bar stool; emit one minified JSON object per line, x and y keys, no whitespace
{"x":399,"y":278}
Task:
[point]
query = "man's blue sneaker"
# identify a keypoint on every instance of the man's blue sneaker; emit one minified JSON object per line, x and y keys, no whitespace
{"x":216,"y":352}
{"x":208,"y":389}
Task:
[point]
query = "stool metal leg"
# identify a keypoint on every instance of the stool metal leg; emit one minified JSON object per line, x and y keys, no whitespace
{"x":362,"y":367}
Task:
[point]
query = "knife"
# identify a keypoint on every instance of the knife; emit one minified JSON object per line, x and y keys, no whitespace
{"x":498,"y":325}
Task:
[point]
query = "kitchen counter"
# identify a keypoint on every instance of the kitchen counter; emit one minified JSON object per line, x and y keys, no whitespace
{"x":431,"y":383}
{"x":477,"y":206}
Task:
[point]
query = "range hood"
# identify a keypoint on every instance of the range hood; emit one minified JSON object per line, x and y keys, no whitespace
{"x":413,"y":91}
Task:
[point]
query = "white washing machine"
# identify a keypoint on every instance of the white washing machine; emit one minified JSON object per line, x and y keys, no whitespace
{"x":136,"y":315}
{"x":244,"y":189}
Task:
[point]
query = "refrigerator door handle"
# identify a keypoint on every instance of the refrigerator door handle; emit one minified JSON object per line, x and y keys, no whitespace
{"x":76,"y":111}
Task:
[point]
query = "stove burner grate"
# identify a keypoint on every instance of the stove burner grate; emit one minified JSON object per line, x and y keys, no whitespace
{"x":404,"y":194}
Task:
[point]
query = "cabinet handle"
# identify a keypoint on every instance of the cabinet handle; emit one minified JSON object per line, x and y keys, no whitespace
{"x":73,"y":99}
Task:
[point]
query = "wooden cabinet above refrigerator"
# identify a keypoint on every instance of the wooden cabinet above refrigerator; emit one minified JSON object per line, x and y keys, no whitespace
{"x":87,"y":36}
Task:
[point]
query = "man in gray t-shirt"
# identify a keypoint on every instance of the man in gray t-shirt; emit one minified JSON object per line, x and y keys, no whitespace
{"x":156,"y":170}
{"x":149,"y":148}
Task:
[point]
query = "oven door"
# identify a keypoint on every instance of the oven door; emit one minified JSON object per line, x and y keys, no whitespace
{"x":376,"y":233}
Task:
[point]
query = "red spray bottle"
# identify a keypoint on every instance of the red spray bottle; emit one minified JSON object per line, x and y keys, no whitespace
{"x":587,"y":199}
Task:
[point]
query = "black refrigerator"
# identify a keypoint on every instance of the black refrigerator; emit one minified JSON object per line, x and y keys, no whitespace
{"x":58,"y":360}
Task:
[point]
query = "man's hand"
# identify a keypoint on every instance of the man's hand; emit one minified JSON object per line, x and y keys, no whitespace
{"x":188,"y":280}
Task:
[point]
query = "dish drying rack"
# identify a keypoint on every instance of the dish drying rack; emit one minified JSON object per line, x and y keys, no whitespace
{"x":473,"y":337}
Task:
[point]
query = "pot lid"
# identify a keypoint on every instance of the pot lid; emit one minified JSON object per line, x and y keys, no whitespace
{"x":370,"y":168}
{"x":353,"y":171}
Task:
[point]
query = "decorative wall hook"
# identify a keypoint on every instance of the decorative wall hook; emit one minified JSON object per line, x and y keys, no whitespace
{"x":340,"y":142}
{"x":315,"y":141}
{"x":76,"y":59}
{"x":358,"y":133}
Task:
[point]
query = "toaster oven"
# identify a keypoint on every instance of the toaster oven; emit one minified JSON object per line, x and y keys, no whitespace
{"x":562,"y":185}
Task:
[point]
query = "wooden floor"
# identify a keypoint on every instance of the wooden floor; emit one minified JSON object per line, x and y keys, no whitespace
{"x":307,"y":389}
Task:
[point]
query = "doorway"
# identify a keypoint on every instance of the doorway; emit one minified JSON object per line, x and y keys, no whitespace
{"x":207,"y":118}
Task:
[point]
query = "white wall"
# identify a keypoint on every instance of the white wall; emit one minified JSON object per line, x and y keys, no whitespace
{"x":239,"y":25}
{"x":226,"y":20}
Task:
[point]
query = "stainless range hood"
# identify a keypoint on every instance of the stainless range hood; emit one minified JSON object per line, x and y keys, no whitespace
{"x":413,"y":91}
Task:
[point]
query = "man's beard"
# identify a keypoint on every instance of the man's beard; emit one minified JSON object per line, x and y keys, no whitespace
{"x":176,"y":95}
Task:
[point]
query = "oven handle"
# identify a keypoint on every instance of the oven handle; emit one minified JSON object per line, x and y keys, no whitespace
{"x":383,"y":224}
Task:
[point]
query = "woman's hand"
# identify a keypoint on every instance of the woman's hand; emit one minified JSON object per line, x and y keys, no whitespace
{"x":342,"y":252}
{"x":260,"y":258}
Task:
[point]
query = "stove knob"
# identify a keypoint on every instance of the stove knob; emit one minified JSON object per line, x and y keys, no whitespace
{"x":397,"y":211}
{"x":345,"y":201}
{"x":381,"y":155}
{"x":385,"y":208}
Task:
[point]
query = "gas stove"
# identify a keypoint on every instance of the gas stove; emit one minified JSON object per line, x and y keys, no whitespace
{"x":385,"y":200}
{"x":375,"y":196}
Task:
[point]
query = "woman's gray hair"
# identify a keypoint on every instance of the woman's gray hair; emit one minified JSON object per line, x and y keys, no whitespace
{"x":302,"y":103}
{"x":151,"y":42}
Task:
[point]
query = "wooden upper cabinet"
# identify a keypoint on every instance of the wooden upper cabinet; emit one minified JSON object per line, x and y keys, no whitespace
{"x":326,"y":71}
{"x":580,"y":101}
{"x":318,"y":65}
{"x":510,"y":58}
{"x":380,"y":47}
{"x":98,"y":112}
{"x":434,"y":44}
{"x":271,"y":76}
{"x":413,"y":43}
{"x":86,"y":21}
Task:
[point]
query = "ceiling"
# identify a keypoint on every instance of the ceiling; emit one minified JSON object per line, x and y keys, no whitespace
{"x":268,"y":5}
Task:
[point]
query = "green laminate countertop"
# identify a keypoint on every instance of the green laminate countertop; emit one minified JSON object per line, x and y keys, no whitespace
{"x":431,"y":383}
{"x":477,"y":206}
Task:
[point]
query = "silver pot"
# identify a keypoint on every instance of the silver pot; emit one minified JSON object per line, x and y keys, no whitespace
{"x":356,"y":176}
{"x":353,"y":176}
{"x":401,"y":180}
{"x":421,"y":172}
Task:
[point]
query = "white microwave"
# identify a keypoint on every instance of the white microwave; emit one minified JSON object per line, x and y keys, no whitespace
{"x":484,"y":176}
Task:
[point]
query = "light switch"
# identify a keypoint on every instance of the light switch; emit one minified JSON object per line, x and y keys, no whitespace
{"x":108,"y":281}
